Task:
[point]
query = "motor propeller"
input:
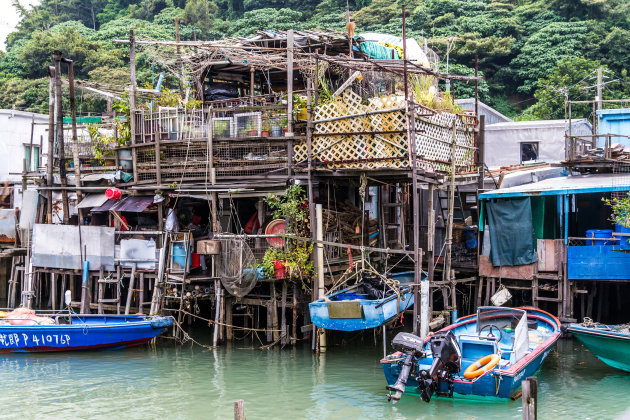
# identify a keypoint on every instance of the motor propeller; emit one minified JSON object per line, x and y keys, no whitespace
{"x":412,"y":346}
{"x":447,"y":361}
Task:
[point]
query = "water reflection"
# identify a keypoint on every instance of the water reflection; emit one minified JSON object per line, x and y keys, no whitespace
{"x":344,"y":383}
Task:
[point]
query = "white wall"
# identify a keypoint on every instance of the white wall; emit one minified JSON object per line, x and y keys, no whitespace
{"x":15,"y":132}
{"x":502,"y":145}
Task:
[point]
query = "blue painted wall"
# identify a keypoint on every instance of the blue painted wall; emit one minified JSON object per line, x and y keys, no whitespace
{"x":614,"y":121}
{"x":597,"y":263}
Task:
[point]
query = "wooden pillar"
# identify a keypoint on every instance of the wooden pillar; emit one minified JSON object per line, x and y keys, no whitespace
{"x":101,"y":291}
{"x":283,"y":324}
{"x":269,"y":320}
{"x":141,"y":294}
{"x":239,"y":410}
{"x":132,"y":282}
{"x":530,"y":398}
{"x":274,"y":312}
{"x":53,"y":291}
{"x":217,"y":312}
{"x":229,"y":331}
{"x":294,"y":326}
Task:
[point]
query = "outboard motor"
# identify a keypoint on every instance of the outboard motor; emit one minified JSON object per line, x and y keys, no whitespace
{"x":447,"y":361}
{"x":412,"y":346}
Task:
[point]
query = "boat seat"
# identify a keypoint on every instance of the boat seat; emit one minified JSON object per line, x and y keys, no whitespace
{"x":474,"y":348}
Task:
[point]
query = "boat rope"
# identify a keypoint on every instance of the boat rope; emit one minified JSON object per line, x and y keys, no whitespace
{"x":186,"y":337}
{"x":589,"y":323}
{"x":212,"y":322}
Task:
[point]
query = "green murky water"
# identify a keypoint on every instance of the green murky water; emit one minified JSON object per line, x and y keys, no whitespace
{"x":345,"y":383}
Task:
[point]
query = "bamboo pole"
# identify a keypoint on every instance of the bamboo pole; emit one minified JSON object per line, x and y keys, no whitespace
{"x":50,"y":155}
{"x":60,"y":142}
{"x":132,"y":101}
{"x":75,"y":140}
{"x":290,"y":37}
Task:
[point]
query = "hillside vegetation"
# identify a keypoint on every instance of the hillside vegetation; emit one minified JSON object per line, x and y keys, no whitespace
{"x":531,"y":52}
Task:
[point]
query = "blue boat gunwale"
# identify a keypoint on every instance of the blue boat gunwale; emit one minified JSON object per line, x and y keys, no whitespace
{"x":85,"y":320}
{"x":579,"y":329}
{"x":521,"y":364}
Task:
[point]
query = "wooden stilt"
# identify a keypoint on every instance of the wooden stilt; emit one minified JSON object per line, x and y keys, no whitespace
{"x":274,"y":312}
{"x":132,"y":282}
{"x":101,"y":291}
{"x":530,"y":398}
{"x":269,"y":322}
{"x":53,"y":291}
{"x":229,"y":331}
{"x":283,"y":327}
{"x":62,"y":293}
{"x":589,"y":304}
{"x":479,"y":291}
{"x":294,"y":320}
{"x":141,"y":294}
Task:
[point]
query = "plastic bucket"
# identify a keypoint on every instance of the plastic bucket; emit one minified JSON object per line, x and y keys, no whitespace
{"x":471,"y":239}
{"x":179,"y":256}
{"x":279,"y":269}
{"x":194,"y":260}
{"x":599,"y":233}
{"x":113,"y":193}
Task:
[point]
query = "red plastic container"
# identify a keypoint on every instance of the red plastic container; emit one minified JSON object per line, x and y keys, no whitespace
{"x":194,"y":263}
{"x":279,"y":269}
{"x":113,"y":194}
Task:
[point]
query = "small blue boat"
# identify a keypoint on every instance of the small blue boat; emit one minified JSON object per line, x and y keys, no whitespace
{"x":354,"y":309}
{"x":609,"y":343}
{"x":486,"y":355}
{"x":63,"y":331}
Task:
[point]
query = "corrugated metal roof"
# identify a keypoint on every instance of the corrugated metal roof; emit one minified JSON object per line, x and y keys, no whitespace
{"x":105,"y":207}
{"x":577,"y":184}
{"x":133,"y":204}
{"x":92,"y":200}
{"x":537,"y":124}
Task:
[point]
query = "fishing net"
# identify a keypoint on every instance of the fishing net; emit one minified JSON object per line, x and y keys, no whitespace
{"x":236,"y":266}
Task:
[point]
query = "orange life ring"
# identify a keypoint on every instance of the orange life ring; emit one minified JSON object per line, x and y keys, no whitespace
{"x":482,"y":366}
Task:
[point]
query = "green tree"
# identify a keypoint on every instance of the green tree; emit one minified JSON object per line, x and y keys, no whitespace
{"x":571,"y":76}
{"x":545,"y":48}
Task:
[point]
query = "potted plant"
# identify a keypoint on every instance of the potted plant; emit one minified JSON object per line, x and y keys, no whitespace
{"x":621,"y":217}
{"x":274,"y":263}
{"x":293,"y":260}
{"x":265,"y":126}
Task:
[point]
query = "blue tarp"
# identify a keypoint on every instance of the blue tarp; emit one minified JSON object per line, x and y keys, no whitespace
{"x":511,"y":232}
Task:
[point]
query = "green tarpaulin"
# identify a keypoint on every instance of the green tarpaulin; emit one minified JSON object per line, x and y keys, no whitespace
{"x":511,"y":232}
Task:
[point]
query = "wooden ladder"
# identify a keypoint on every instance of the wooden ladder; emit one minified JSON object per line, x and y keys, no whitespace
{"x":102,"y":282}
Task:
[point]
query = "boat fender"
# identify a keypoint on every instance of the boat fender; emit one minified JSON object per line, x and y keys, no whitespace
{"x":482,"y":366}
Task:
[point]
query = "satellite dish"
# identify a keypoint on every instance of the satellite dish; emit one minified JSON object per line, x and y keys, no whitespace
{"x":236,"y":266}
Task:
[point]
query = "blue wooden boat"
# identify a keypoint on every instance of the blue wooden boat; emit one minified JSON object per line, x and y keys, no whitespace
{"x":609,"y":343}
{"x":487,"y":355}
{"x":352,"y":309}
{"x":63,"y":331}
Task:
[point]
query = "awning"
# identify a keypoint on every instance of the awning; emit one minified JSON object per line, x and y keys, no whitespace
{"x":575,"y":184}
{"x":133,"y":204}
{"x":92,"y":200}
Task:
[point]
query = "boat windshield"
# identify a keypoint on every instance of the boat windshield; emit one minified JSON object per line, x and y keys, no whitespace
{"x":500,"y":317}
